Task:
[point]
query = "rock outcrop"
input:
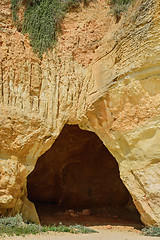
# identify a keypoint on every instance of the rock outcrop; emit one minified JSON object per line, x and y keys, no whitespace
{"x":103,"y":76}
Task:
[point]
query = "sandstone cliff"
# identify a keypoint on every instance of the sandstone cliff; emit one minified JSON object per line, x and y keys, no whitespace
{"x":103,"y":76}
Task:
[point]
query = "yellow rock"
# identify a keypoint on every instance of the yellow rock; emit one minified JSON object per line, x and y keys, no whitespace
{"x":103,"y":76}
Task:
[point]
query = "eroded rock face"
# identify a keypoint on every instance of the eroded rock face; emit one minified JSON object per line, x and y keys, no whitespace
{"x":12,"y":178}
{"x":103,"y":76}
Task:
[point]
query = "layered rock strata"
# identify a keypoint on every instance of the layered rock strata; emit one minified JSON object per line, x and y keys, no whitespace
{"x":103,"y":76}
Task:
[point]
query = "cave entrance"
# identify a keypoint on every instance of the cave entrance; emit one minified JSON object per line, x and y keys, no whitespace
{"x":78,"y":173}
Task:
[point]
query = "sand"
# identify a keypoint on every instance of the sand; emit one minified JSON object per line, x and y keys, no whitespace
{"x":103,"y":234}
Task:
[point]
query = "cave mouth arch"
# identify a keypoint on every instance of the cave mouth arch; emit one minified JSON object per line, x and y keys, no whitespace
{"x":77,"y":172}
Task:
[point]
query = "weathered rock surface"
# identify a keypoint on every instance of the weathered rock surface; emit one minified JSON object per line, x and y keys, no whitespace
{"x":12,"y":178}
{"x":101,"y":75}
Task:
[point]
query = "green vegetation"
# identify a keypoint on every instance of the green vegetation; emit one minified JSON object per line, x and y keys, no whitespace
{"x":83,"y":229}
{"x":151,"y":231}
{"x":42,"y":20}
{"x":119,"y":6}
{"x":15,"y":6}
{"x":120,"y":2}
{"x":11,"y":226}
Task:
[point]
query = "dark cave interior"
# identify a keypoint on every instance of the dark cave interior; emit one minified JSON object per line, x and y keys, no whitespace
{"x":77,"y":172}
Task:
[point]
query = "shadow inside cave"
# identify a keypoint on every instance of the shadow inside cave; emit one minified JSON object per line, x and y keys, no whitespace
{"x":77,"y":173}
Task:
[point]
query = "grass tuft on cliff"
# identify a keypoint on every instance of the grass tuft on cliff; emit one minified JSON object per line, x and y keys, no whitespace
{"x":42,"y":20}
{"x":119,"y":6}
{"x":15,"y":226}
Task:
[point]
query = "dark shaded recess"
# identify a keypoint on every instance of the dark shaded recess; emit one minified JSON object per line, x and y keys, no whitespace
{"x":77,"y":172}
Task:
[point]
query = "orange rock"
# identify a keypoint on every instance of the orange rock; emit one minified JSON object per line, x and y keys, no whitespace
{"x":86,"y":212}
{"x":109,"y":227}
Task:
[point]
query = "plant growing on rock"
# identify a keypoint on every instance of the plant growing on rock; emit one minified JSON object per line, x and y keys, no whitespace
{"x":119,"y":6}
{"x":42,"y":20}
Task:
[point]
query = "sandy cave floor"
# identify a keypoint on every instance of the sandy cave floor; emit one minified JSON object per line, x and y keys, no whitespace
{"x":50,"y":214}
{"x":113,"y":224}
